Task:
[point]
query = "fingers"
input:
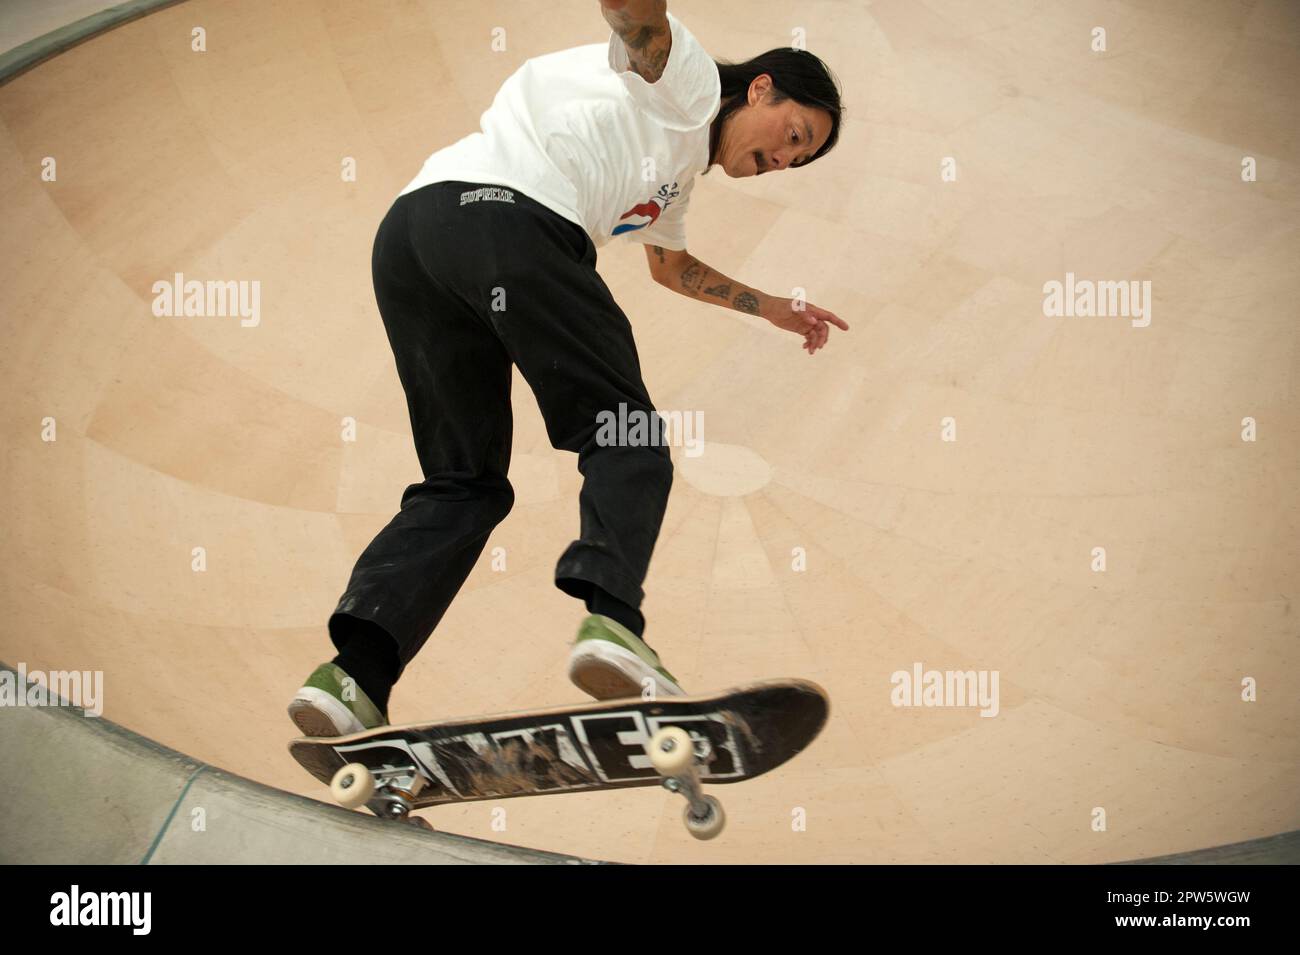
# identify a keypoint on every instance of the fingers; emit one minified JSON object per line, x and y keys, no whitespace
{"x":816,"y":326}
{"x":809,"y":337}
{"x":816,"y":336}
{"x":833,"y":319}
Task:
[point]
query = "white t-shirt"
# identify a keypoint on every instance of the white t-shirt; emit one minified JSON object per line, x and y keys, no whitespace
{"x":573,"y":130}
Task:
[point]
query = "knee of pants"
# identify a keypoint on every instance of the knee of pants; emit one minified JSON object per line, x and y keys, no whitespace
{"x":494,"y":496}
{"x":504,"y":497}
{"x":656,"y":467}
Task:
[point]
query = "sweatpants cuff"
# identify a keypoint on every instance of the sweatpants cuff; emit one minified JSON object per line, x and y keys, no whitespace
{"x":575,"y":577}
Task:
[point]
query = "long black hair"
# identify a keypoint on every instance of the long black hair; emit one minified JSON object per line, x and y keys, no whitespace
{"x":796,"y":74}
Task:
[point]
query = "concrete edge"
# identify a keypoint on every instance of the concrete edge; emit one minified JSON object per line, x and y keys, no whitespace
{"x":149,"y":793}
{"x":35,"y":52}
{"x":1281,"y":849}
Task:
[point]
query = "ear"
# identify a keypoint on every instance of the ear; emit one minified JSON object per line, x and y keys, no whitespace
{"x":760,"y":89}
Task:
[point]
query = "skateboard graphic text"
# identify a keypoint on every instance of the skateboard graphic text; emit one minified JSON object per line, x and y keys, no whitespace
{"x":678,"y":742}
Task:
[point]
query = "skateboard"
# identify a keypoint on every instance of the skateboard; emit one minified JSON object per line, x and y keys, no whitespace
{"x":678,"y":742}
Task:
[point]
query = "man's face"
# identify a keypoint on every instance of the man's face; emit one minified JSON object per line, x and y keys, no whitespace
{"x":763,"y":137}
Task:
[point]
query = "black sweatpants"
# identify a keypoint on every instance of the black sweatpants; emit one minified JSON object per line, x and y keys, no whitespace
{"x":471,"y":279}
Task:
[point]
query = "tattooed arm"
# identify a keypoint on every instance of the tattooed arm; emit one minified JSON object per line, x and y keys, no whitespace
{"x":687,"y":275}
{"x":643,"y":27}
{"x":684,"y":273}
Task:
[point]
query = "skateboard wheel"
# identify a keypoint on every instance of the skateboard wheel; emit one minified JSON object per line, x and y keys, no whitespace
{"x":671,"y":751}
{"x":710,"y":825}
{"x":352,"y":785}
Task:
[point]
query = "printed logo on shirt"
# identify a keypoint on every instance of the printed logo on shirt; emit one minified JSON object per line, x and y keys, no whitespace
{"x":492,"y":193}
{"x":646,"y":213}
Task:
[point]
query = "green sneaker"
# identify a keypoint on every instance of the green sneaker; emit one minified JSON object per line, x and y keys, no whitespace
{"x":609,"y":662}
{"x":323,"y":708}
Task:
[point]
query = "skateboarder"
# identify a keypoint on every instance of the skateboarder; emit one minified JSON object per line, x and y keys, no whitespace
{"x":487,"y":260}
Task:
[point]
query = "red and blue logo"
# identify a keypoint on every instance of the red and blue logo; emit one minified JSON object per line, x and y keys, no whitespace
{"x":647,"y":213}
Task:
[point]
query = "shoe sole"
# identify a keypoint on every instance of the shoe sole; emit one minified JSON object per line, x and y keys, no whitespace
{"x":605,"y":671}
{"x":316,"y":713}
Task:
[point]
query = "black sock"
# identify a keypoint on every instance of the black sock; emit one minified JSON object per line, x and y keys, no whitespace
{"x":607,"y":605}
{"x":369,"y":656}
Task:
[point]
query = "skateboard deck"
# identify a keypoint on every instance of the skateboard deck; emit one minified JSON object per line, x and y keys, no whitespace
{"x":737,"y":734}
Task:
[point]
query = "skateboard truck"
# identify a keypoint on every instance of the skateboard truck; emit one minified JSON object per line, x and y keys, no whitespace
{"x":388,"y":792}
{"x":677,"y":758}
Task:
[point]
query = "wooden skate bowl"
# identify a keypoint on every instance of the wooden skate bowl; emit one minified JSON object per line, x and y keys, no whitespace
{"x":210,"y":482}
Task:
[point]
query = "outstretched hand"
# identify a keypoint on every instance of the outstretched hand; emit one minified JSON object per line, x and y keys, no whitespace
{"x":810,"y":321}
